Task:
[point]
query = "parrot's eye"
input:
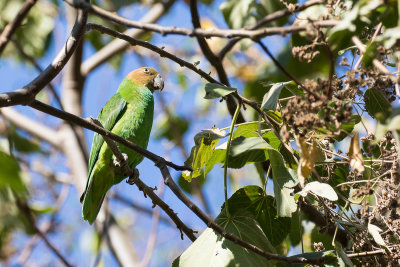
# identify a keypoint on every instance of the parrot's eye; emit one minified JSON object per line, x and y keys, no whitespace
{"x":146,"y":70}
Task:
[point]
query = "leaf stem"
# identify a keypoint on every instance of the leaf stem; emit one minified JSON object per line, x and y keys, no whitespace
{"x":237,"y":111}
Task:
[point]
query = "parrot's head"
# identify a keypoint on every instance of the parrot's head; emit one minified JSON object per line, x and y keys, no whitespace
{"x":147,"y":77}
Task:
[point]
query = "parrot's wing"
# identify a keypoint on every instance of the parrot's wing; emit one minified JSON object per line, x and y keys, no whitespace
{"x":108,"y":116}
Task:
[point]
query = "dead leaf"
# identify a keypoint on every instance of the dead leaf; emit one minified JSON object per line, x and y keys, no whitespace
{"x":355,"y":155}
{"x":308,"y":157}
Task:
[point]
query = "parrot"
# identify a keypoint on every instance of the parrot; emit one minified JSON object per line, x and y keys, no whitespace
{"x":129,"y":114}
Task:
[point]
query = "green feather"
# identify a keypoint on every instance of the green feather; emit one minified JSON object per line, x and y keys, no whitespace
{"x":129,"y":114}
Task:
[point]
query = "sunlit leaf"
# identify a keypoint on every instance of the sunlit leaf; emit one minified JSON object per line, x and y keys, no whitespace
{"x":375,"y":232}
{"x":205,"y":143}
{"x":320,"y":189}
{"x":270,"y":99}
{"x":211,"y":249}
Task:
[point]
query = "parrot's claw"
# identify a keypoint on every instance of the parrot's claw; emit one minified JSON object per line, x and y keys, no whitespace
{"x":119,"y":164}
{"x":131,"y":179}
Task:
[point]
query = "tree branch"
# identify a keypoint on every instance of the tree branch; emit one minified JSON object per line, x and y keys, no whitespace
{"x":282,"y":68}
{"x":26,"y":94}
{"x":270,"y":17}
{"x":26,"y":210}
{"x":94,"y":127}
{"x":213,"y":59}
{"x":9,"y":30}
{"x":117,"y":46}
{"x":223,"y":33}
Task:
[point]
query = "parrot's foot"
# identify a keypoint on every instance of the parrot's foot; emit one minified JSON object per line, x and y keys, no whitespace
{"x":118,"y":163}
{"x":132,"y":178}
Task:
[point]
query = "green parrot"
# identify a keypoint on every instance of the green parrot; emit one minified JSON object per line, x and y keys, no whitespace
{"x":129,"y":114}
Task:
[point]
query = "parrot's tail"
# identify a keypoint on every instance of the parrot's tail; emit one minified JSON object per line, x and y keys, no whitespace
{"x":91,"y":205}
{"x":93,"y":197}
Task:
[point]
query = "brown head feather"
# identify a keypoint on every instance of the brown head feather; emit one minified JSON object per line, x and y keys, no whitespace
{"x":144,"y":77}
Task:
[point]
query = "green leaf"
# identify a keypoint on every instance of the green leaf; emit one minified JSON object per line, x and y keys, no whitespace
{"x":252,"y":198}
{"x":214,"y":90}
{"x":241,"y":145}
{"x":10,"y":173}
{"x":247,"y":130}
{"x":188,"y":186}
{"x":241,"y":13}
{"x":35,"y":34}
{"x":22,"y":144}
{"x":283,"y":184}
{"x":270,"y":99}
{"x":205,"y":143}
{"x":211,"y":249}
{"x":376,"y":104}
{"x":243,"y":151}
{"x":344,"y":260}
{"x":296,"y":229}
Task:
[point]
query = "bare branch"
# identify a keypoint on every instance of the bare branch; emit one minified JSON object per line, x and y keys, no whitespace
{"x":26,"y":94}
{"x":9,"y":30}
{"x":117,"y":46}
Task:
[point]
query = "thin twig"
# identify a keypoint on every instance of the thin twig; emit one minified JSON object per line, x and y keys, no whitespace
{"x":24,"y":208}
{"x":214,"y":60}
{"x":283,"y":69}
{"x":270,"y":17}
{"x":9,"y":30}
{"x":377,"y":31}
{"x":382,"y":68}
{"x":100,"y":130}
{"x":56,"y":96}
{"x":223,"y":33}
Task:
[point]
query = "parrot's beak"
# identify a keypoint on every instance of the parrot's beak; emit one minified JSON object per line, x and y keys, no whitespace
{"x":158,"y":83}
